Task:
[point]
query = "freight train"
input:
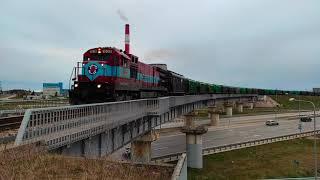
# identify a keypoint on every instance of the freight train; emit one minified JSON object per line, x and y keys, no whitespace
{"x":111,"y":74}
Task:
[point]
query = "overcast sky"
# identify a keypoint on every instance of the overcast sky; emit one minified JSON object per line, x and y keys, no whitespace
{"x":251,"y":43}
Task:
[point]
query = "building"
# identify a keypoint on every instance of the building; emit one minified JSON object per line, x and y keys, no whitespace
{"x":53,"y":89}
{"x":316,"y":90}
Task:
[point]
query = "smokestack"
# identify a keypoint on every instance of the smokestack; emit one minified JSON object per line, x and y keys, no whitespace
{"x":127,"y":39}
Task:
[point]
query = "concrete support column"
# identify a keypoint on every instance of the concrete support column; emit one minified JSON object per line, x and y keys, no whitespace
{"x":211,"y":109}
{"x":234,"y":104}
{"x":141,"y":147}
{"x":239,"y":107}
{"x":228,"y":108}
{"x":189,"y":120}
{"x":194,"y":146}
{"x":214,"y":118}
{"x":223,"y":109}
{"x":211,"y":103}
{"x":213,"y":115}
{"x":220,"y":106}
{"x":250,"y":105}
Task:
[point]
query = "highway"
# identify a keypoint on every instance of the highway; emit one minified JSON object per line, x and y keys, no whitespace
{"x":240,"y":129}
{"x":230,"y":130}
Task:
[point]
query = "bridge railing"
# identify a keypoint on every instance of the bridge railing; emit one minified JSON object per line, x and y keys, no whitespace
{"x":63,"y":125}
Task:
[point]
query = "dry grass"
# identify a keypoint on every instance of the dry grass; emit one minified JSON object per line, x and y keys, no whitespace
{"x":30,"y":162}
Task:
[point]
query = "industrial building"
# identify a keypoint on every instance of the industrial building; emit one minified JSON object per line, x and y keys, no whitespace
{"x":316,"y":90}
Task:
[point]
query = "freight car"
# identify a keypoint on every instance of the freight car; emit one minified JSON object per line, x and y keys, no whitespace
{"x":110,"y":74}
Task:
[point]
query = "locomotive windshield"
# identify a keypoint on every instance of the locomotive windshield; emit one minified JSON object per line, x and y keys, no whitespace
{"x":97,"y":54}
{"x":97,"y":57}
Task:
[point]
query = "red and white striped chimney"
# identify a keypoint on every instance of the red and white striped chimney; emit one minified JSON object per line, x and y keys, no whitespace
{"x":127,"y":39}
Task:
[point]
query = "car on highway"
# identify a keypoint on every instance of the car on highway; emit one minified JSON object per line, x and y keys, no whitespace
{"x":305,"y":119}
{"x":271,"y":123}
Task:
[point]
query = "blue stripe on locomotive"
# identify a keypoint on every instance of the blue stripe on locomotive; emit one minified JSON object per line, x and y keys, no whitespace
{"x":115,"y":71}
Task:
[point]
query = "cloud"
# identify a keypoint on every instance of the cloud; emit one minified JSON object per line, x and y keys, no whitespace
{"x":267,"y":44}
{"x":122,"y":16}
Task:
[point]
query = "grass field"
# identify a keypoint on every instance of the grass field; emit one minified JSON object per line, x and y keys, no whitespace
{"x":286,"y":104}
{"x":283,"y":159}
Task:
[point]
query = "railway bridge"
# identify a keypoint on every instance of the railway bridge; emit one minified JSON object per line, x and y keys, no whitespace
{"x":96,"y":130}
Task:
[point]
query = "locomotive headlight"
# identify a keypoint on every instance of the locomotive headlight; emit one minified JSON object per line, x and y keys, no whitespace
{"x":76,"y":85}
{"x":99,"y":86}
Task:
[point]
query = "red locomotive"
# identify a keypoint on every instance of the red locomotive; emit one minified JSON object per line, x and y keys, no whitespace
{"x":110,"y":74}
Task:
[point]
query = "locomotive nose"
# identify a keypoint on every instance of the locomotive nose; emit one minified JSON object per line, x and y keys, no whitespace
{"x":92,"y":70}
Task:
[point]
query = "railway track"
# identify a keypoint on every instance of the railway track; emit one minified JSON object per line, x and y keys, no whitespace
{"x":8,"y":123}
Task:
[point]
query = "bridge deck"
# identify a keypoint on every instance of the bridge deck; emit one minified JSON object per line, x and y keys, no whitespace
{"x":120,"y":121}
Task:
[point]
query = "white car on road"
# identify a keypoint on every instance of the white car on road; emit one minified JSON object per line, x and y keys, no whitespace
{"x":272,"y":123}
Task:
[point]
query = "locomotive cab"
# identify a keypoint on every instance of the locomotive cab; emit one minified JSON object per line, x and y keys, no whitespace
{"x":96,"y":74}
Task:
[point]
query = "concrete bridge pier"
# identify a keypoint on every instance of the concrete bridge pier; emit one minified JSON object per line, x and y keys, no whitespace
{"x":189,"y":120}
{"x":234,"y":104}
{"x":211,"y":109}
{"x":250,"y":105}
{"x":211,"y":102}
{"x":220,"y":106}
{"x":214,"y":118}
{"x":141,"y":147}
{"x":194,"y":145}
{"x":228,"y":107}
{"x":239,"y":107}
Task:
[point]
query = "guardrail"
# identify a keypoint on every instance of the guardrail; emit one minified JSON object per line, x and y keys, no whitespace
{"x":229,"y":147}
{"x":180,"y":171}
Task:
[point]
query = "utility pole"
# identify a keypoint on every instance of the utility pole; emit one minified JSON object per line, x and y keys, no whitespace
{"x":1,"y":87}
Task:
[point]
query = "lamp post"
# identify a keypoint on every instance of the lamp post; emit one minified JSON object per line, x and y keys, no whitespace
{"x":314,"y":134}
